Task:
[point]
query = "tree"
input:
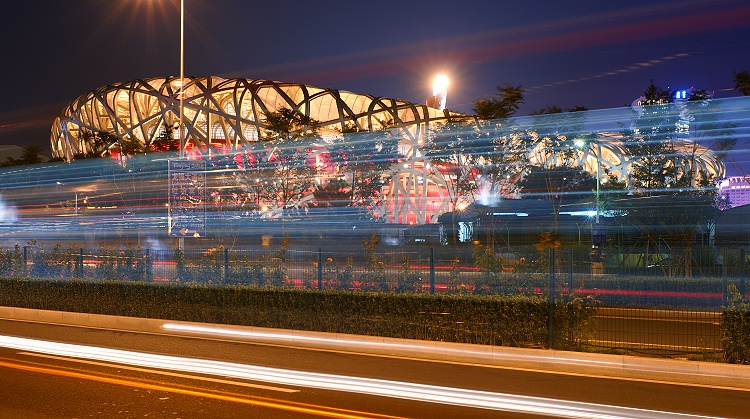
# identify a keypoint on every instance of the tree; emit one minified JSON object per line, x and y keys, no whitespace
{"x":131,"y":146}
{"x":102,"y":141}
{"x":94,"y":144}
{"x":503,"y":104}
{"x":286,"y":179}
{"x":287,"y":124}
{"x":31,"y":155}
{"x":650,"y":142}
{"x":365,"y":157}
{"x":665,"y":174}
{"x":556,"y":109}
{"x":711,"y":130}
{"x":333,"y":194}
{"x":165,"y":141}
{"x":554,"y":156}
{"x":450,"y":150}
{"x":742,"y":82}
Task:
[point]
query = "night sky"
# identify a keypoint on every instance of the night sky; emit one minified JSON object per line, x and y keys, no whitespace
{"x":598,"y":54}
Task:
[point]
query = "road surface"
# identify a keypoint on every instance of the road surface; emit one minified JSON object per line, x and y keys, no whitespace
{"x":78,"y":366}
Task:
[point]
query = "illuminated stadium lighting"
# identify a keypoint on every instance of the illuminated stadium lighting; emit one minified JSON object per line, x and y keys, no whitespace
{"x":440,"y":84}
{"x":439,"y":92}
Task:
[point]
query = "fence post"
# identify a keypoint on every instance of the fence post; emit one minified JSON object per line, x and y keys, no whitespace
{"x":742,"y":273}
{"x":320,"y":269}
{"x":225,"y":273}
{"x":149,"y":267}
{"x":80,"y":263}
{"x":570,"y":273}
{"x":432,"y":270}
{"x":724,"y":279}
{"x":551,"y":298}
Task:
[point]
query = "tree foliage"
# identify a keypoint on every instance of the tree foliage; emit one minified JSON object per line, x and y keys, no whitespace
{"x":288,"y":179}
{"x":670,"y":199}
{"x":31,"y":154}
{"x":364,"y":158}
{"x":503,"y":104}
{"x":548,"y":110}
{"x":742,"y":82}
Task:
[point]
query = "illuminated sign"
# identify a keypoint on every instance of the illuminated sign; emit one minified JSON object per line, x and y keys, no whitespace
{"x":187,"y":198}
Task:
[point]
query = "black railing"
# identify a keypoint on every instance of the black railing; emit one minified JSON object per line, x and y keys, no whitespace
{"x":639,"y":308}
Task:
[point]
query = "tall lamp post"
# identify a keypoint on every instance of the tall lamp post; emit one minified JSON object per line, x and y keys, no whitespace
{"x":598,"y":235}
{"x":580,"y":143}
{"x":183,"y":141}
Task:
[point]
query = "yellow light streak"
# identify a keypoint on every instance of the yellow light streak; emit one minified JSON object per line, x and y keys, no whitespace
{"x":228,"y":397}
{"x":167,"y":373}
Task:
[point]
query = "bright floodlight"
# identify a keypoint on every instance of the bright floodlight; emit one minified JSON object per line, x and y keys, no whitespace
{"x":439,"y":92}
{"x":440,"y":85}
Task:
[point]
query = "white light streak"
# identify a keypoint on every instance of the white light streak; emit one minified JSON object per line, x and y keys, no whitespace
{"x":384,"y":388}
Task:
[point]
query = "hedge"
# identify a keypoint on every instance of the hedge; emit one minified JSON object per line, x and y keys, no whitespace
{"x":521,"y":321}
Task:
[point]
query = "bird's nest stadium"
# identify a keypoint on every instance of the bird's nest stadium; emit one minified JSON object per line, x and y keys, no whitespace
{"x":227,"y":115}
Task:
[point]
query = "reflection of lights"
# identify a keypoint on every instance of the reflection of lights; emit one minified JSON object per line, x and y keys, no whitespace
{"x":384,"y":388}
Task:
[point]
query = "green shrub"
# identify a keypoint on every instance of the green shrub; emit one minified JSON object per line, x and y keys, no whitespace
{"x":494,"y":320}
{"x":735,"y":328}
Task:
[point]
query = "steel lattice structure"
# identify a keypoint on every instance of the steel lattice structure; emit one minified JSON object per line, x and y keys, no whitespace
{"x":228,"y":115}
{"x":234,"y":109}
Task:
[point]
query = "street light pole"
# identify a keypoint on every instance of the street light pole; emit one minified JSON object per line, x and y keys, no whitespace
{"x":580,"y":143}
{"x":598,"y":177}
{"x":183,"y":141}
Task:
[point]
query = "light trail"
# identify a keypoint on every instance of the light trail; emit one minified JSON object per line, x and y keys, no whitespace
{"x":384,"y":388}
{"x":104,"y":197}
{"x":167,"y":373}
{"x":302,"y":408}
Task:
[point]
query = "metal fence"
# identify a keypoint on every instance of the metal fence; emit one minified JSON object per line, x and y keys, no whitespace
{"x":642,"y":308}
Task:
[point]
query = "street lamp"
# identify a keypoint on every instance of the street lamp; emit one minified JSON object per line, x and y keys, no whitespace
{"x":580,"y":143}
{"x":183,"y":141}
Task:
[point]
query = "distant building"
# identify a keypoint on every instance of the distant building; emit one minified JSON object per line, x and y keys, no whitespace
{"x":736,"y":189}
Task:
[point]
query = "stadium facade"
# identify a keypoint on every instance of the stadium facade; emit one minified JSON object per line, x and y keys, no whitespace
{"x":227,"y":115}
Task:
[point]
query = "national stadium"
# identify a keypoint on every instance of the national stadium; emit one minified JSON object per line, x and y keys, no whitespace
{"x":225,"y":116}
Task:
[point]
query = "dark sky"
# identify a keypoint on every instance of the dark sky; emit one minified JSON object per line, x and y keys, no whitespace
{"x":598,"y":54}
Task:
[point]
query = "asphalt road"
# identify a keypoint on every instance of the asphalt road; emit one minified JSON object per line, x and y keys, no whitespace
{"x":111,"y":371}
